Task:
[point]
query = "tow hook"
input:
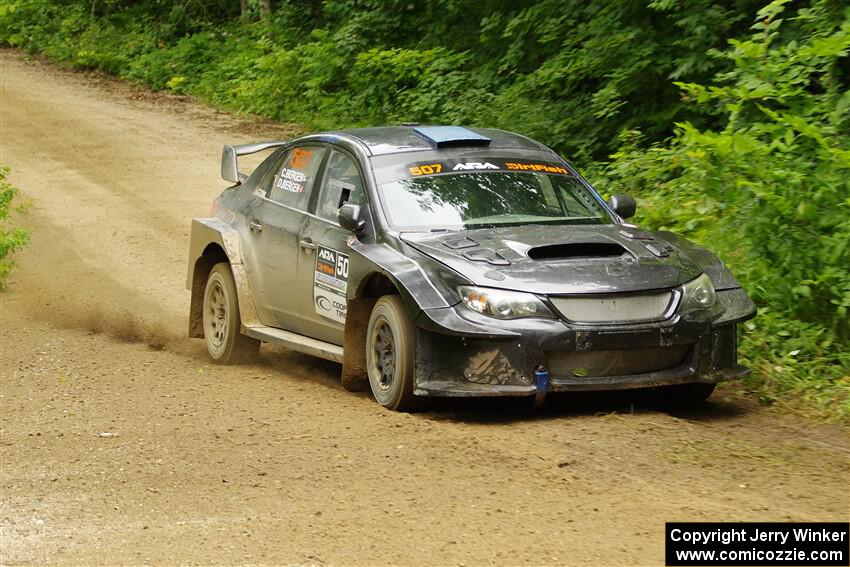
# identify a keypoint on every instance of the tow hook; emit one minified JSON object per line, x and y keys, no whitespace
{"x":542,"y":378}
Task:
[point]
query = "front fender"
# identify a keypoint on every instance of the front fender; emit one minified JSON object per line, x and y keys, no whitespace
{"x":737,"y":305}
{"x":720,"y":275}
{"x":413,"y":281}
{"x":426,"y":303}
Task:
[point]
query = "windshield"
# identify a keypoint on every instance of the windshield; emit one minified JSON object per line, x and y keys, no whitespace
{"x":483,"y":199}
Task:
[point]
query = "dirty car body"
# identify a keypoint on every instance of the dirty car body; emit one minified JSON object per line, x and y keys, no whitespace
{"x":516,"y":277}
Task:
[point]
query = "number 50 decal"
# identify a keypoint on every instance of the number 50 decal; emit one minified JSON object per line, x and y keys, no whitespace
{"x":342,"y":266}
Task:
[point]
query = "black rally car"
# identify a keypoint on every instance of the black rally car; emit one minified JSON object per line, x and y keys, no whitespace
{"x":449,"y":261}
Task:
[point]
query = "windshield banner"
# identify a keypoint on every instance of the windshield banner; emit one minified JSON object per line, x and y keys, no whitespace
{"x":419,"y":169}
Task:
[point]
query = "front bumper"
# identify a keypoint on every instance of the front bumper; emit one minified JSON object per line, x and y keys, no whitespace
{"x":505,"y":360}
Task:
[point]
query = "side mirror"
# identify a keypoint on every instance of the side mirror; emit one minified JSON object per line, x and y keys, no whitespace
{"x":349,"y":218}
{"x":623,"y":205}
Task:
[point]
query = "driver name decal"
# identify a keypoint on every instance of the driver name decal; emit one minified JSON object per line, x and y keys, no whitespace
{"x":291,"y":180}
{"x":330,"y":283}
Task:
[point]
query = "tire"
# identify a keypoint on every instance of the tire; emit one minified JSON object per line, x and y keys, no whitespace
{"x":688,"y":394}
{"x":225,"y":343}
{"x":390,"y":355}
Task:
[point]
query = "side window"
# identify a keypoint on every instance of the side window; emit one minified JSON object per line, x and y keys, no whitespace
{"x":268,"y":176}
{"x":549,"y":195}
{"x":343,"y":184}
{"x":294,"y":179}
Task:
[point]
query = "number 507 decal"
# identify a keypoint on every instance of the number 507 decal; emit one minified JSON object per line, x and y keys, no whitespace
{"x":427,"y":169}
{"x":330,"y":283}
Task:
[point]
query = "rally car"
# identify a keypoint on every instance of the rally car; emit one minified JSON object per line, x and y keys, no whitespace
{"x":450,"y":261}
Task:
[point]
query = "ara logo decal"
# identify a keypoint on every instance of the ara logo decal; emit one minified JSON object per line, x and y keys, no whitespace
{"x":472,"y":165}
{"x":330,"y":284}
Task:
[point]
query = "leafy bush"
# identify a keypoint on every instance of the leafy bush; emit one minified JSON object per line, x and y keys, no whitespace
{"x":570,"y":73}
{"x":11,"y":239}
{"x":188,"y":59}
{"x":771,"y":193}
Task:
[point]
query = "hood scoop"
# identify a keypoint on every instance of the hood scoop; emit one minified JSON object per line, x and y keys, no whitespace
{"x":486,"y":255}
{"x":578,"y":250}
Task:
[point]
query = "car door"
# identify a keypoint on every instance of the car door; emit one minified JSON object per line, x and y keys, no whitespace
{"x":324,"y":265}
{"x":274,"y":222}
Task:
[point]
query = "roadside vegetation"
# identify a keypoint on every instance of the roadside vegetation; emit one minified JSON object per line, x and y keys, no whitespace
{"x":11,"y":238}
{"x":731,"y":125}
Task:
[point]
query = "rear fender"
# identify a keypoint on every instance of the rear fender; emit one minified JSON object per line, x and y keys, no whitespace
{"x":211,"y":241}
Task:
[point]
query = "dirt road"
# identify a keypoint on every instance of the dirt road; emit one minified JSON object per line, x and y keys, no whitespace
{"x":121,"y":444}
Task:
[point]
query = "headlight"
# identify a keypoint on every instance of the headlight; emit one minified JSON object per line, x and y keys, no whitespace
{"x":502,"y":304}
{"x":698,"y":294}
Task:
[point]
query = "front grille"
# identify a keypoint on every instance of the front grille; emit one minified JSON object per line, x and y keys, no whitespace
{"x":620,"y":308}
{"x":620,"y":362}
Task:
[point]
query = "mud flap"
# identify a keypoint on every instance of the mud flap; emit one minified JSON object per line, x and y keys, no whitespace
{"x":354,"y":375}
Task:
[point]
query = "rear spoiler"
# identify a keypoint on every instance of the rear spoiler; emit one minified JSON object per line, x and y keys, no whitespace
{"x":229,"y":154}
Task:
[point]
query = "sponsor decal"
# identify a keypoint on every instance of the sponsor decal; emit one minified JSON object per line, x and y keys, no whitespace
{"x":323,"y":303}
{"x":542,"y":167}
{"x":330,"y":284}
{"x":474,"y":165}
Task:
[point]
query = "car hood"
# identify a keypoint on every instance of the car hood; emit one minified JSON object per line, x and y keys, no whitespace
{"x":560,"y":259}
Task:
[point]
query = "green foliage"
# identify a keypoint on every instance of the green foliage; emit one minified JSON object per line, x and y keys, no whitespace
{"x":570,"y":73}
{"x":186,"y":61}
{"x":770,"y":192}
{"x":11,"y":239}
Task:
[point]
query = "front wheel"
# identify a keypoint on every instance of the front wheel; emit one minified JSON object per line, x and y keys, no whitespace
{"x":225,"y":343}
{"x":390,"y":355}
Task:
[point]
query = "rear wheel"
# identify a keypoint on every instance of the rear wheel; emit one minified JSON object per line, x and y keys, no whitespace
{"x":390,"y":354}
{"x":225,"y":343}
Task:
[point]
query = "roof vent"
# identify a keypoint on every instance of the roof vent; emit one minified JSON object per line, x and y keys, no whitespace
{"x":451,"y":136}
